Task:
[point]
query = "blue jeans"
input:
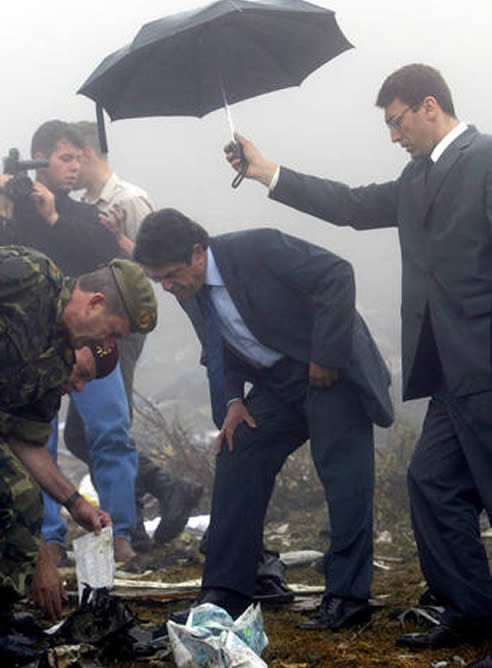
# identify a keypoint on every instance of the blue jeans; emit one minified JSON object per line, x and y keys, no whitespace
{"x":103,"y":407}
{"x":53,"y":528}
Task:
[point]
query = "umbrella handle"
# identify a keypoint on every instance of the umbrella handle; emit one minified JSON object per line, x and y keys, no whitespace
{"x":239,"y":153}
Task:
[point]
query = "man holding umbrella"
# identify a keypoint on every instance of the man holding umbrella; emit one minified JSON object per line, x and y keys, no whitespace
{"x":442,"y":206}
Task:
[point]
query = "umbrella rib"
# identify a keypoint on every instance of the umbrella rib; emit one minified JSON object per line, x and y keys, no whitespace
{"x":270,"y":57}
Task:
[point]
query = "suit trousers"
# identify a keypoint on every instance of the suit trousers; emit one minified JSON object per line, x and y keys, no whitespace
{"x":287,"y":413}
{"x":449,"y":485}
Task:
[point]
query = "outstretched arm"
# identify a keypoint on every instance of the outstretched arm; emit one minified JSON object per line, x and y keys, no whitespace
{"x":363,"y":208}
{"x":43,"y":469}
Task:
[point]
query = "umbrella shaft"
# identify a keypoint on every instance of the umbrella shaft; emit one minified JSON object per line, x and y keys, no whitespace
{"x":227,"y":110}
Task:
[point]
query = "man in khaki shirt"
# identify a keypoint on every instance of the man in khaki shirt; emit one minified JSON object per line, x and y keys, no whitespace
{"x":123,"y":205}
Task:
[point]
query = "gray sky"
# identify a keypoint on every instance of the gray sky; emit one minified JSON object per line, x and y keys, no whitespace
{"x":329,"y":126}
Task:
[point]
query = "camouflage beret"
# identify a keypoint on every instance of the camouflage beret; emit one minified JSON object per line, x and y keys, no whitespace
{"x":137,"y":295}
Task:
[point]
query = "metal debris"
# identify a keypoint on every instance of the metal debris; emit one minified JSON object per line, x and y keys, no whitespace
{"x":426,"y":615}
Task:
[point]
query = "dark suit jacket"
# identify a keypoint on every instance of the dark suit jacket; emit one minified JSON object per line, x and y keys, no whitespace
{"x":298,"y":299}
{"x":445,"y":230}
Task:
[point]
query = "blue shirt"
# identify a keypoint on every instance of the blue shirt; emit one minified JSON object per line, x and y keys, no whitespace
{"x":232,"y":326}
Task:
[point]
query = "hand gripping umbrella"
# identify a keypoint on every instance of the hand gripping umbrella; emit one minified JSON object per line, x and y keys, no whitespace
{"x":194,"y":62}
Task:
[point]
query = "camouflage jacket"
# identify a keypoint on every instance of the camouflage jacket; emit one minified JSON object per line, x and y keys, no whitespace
{"x":35,"y":353}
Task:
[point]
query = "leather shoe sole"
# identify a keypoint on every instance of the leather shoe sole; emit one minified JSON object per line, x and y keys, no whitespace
{"x":272,"y":591}
{"x":438,"y":637}
{"x":322,"y":623}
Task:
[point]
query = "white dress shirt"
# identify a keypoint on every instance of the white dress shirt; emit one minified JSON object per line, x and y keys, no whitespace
{"x":447,"y":140}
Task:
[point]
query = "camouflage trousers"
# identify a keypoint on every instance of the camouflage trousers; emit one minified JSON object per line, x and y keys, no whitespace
{"x":21,"y":512}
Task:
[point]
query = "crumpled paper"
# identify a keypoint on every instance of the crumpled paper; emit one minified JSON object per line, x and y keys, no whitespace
{"x":212,"y":639}
{"x":94,"y":560}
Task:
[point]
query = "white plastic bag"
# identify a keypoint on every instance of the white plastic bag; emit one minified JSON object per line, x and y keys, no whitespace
{"x":212,"y":639}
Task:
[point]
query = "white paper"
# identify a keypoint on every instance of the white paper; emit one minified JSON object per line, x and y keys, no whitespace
{"x":94,"y":560}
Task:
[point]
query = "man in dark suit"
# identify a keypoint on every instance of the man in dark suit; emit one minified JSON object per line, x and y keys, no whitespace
{"x":442,"y":207}
{"x":279,"y":313}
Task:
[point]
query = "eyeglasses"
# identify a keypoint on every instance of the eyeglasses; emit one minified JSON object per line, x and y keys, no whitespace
{"x":394,"y":122}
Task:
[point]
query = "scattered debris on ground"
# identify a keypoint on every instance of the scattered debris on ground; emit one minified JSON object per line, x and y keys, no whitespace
{"x":167,"y":580}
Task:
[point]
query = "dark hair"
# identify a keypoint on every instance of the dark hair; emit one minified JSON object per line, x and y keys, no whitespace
{"x":412,"y":84}
{"x":87,"y":130}
{"x":50,"y":133}
{"x":168,"y":236}
{"x":102,"y":280}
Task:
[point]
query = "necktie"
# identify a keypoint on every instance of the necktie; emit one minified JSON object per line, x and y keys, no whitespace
{"x":215,"y":357}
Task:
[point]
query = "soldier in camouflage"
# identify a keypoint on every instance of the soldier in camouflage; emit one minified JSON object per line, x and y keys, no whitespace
{"x":44,"y":317}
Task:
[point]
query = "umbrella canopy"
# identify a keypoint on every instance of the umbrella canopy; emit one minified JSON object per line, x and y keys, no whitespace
{"x":187,"y":63}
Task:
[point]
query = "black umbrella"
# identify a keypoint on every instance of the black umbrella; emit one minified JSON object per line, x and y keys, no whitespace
{"x":193,"y":62}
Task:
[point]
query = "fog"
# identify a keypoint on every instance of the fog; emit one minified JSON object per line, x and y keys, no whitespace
{"x":329,"y":126}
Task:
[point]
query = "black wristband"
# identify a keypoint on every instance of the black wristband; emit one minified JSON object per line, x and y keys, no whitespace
{"x":71,"y":500}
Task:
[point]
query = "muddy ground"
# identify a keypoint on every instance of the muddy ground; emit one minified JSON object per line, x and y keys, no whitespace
{"x":397,"y":585}
{"x":296,"y":513}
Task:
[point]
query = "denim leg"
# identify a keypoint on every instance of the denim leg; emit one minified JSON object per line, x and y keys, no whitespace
{"x":103,"y":407}
{"x":53,"y":529}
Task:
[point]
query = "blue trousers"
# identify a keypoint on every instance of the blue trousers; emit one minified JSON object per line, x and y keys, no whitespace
{"x":113,"y":459}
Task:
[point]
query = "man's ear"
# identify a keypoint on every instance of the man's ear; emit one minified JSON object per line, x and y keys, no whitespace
{"x":40,"y":156}
{"x":431,"y":105}
{"x":96,"y":299}
{"x":198,"y":252}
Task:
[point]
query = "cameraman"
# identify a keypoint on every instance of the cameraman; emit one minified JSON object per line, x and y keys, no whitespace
{"x":71,"y":234}
{"x":48,"y":219}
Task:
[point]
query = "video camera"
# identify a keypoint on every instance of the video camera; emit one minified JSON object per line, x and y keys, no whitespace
{"x":20,"y":185}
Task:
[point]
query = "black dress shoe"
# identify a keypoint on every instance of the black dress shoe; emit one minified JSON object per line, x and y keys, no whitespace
{"x":429,"y":598}
{"x":273,"y":591}
{"x":438,"y":637}
{"x":484,"y":662}
{"x":231,"y":601}
{"x":336,"y":613}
